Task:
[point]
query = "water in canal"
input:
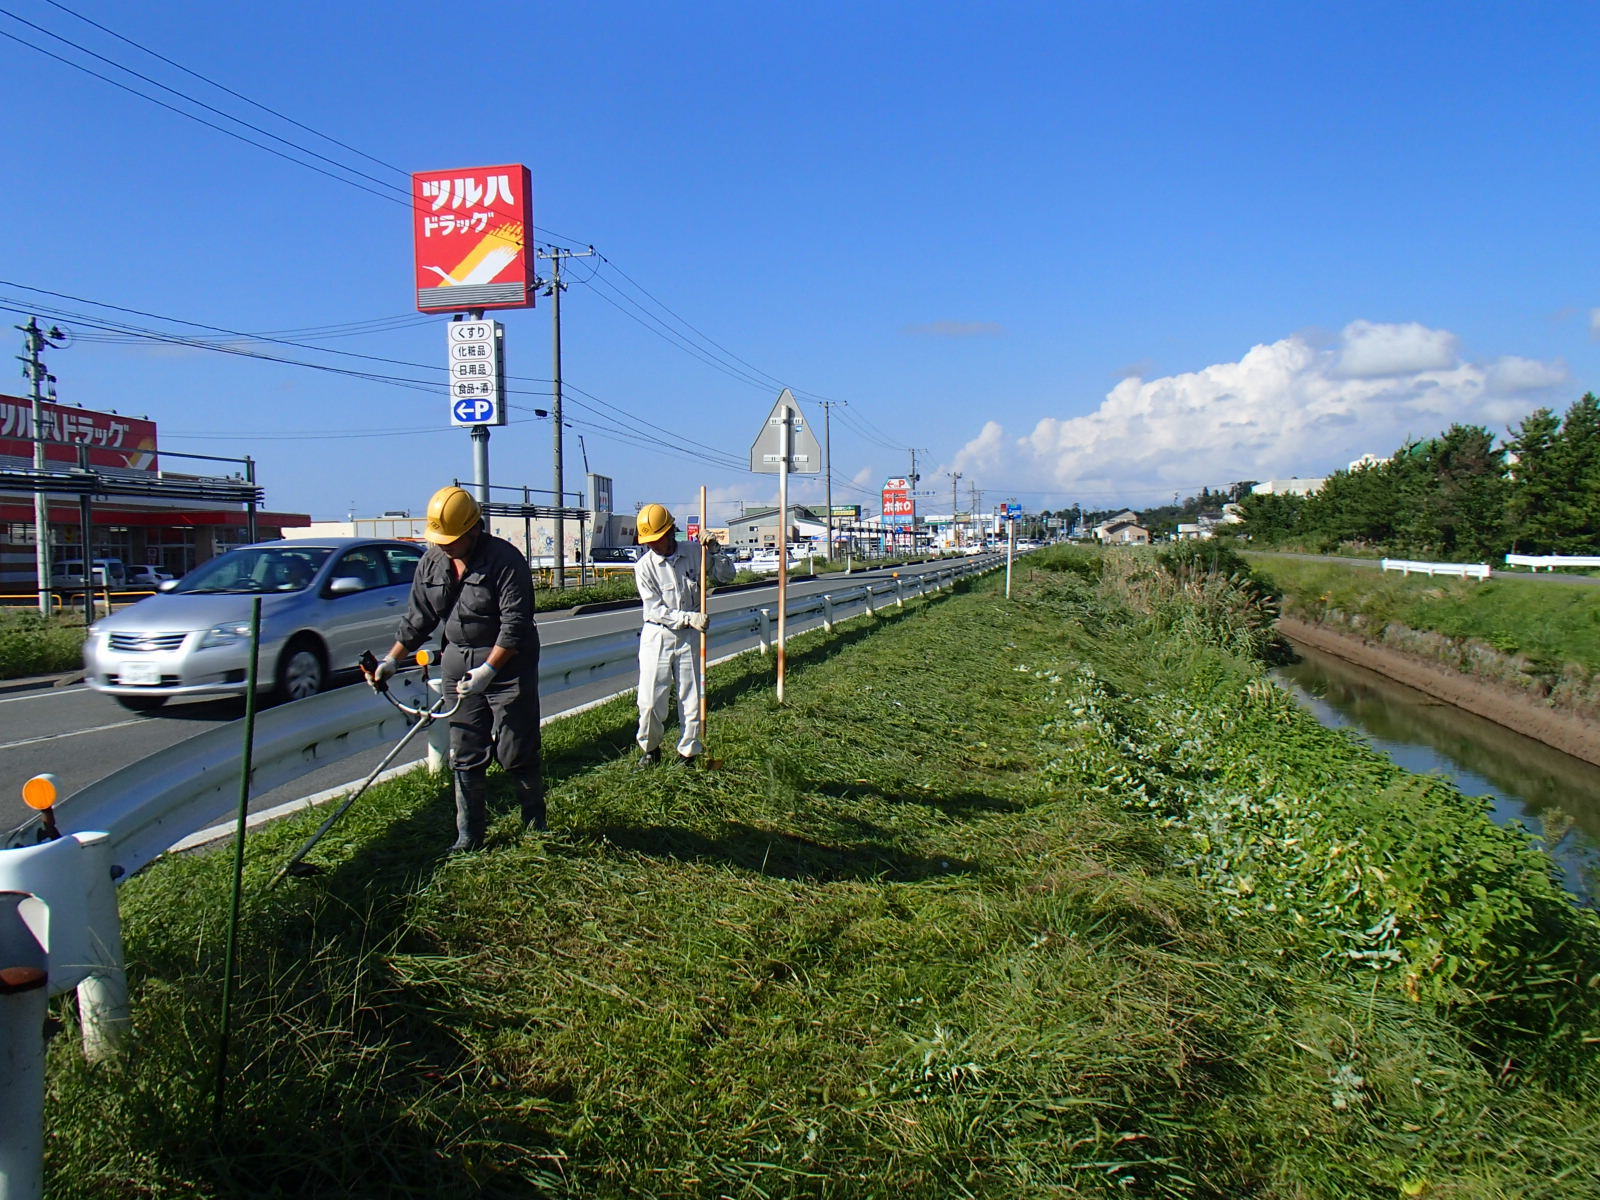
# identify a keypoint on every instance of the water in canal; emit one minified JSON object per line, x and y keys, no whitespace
{"x":1555,"y":795}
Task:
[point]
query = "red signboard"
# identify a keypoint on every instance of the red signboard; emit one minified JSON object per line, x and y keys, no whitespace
{"x":898,"y":506}
{"x":473,"y":232}
{"x":113,"y":441}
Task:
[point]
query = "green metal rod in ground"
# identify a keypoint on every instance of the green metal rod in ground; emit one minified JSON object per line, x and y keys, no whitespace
{"x":238,"y":861}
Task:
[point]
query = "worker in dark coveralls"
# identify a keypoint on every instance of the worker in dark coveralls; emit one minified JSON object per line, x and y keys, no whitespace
{"x":480,"y":588}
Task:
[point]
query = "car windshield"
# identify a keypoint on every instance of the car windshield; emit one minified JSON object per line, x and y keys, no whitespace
{"x":256,"y":570}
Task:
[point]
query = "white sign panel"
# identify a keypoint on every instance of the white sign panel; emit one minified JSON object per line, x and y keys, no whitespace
{"x":477,"y":372}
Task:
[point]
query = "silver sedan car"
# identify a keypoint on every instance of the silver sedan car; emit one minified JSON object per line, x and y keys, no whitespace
{"x":323,"y":602}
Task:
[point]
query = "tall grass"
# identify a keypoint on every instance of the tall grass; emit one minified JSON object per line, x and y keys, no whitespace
{"x":921,"y":935}
{"x":31,"y":644}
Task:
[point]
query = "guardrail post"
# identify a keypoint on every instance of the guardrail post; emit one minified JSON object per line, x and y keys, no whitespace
{"x":872,"y":609}
{"x":24,"y":998}
{"x":103,"y":1012}
{"x":827,"y":611}
{"x":439,"y":731}
{"x":766,"y":631}
{"x":899,"y":592}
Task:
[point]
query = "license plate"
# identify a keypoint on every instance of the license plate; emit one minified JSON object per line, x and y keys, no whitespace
{"x":136,"y":674}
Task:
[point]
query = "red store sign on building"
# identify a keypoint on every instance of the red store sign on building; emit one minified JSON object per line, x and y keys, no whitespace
{"x":128,"y":443}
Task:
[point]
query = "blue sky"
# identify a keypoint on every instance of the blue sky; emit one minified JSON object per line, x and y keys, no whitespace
{"x":1096,"y":253}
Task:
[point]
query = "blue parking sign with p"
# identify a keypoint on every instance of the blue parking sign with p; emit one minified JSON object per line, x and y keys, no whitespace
{"x":476,"y":410}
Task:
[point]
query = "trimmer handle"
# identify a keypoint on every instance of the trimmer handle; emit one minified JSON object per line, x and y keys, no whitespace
{"x":368,"y":662}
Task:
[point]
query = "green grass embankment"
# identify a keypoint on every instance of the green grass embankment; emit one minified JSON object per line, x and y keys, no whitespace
{"x":33,"y":645}
{"x":1011,"y":899}
{"x":1536,"y":635}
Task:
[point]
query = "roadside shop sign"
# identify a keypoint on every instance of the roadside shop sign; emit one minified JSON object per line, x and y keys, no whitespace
{"x":477,"y":372}
{"x":899,"y":507}
{"x":473,"y":236}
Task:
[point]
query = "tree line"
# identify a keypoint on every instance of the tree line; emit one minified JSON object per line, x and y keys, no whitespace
{"x":1457,"y":496}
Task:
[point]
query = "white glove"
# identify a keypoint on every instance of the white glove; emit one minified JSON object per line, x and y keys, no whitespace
{"x":476,"y":681}
{"x":696,"y":620}
{"x":385,"y":670}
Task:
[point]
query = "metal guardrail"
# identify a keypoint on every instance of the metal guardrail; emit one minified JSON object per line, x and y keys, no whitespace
{"x":1478,"y":571}
{"x":1549,"y":562}
{"x":154,"y":803}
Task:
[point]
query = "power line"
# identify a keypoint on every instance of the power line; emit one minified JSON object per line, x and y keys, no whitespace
{"x":201,"y":120}
{"x":223,"y":88}
{"x":693,"y":343}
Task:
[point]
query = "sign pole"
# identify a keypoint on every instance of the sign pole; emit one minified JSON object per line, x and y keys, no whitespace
{"x":1011,"y":548}
{"x":783,"y":541}
{"x":705,"y":609}
{"x":784,"y":444}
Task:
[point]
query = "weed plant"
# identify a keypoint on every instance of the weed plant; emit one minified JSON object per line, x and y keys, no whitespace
{"x":31,"y":644}
{"x":1009,"y":899}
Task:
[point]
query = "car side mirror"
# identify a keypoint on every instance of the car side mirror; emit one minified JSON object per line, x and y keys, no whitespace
{"x":345,"y":585}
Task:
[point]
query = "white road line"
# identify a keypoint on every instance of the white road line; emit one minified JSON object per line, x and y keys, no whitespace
{"x":48,"y":737}
{"x":67,"y":691}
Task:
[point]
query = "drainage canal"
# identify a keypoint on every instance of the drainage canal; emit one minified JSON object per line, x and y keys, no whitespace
{"x":1556,"y":796}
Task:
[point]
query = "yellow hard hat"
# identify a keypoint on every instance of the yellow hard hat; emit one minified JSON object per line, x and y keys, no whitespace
{"x":655,"y":522}
{"x":451,"y":513}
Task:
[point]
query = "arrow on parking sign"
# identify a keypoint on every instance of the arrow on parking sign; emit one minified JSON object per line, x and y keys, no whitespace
{"x":477,"y":411}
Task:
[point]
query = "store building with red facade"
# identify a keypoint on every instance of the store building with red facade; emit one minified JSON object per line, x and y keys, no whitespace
{"x":173,"y":511}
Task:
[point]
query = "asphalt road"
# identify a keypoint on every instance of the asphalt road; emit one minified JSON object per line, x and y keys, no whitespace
{"x":81,"y":736}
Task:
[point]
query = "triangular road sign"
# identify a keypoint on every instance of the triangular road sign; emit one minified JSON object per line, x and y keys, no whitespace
{"x":805,"y":455}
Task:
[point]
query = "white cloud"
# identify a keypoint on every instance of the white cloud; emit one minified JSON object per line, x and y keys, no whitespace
{"x":1292,"y":407}
{"x":1374,"y":349}
{"x":1594,"y":322}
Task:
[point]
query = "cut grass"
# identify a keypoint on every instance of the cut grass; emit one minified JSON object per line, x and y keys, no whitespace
{"x":882,"y":952}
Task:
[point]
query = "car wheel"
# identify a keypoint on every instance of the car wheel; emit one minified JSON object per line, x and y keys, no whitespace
{"x":141,"y":703}
{"x":301,"y":672}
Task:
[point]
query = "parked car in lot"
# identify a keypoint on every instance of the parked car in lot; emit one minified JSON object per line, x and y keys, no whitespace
{"x":108,"y":572}
{"x":765,"y":561}
{"x":323,"y":602}
{"x":147,"y":575}
{"x":615,"y":556}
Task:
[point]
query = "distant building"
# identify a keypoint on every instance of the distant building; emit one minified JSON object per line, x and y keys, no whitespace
{"x":1288,"y":487}
{"x":757,"y":528}
{"x":1125,"y":517}
{"x":147,"y":519}
{"x":1367,"y":460}
{"x":1124,"y":533}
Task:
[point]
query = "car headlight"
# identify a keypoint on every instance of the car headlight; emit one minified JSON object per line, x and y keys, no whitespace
{"x":226,"y":634}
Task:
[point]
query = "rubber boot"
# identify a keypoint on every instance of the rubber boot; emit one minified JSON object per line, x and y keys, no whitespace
{"x":531,"y":796}
{"x":472,"y":810}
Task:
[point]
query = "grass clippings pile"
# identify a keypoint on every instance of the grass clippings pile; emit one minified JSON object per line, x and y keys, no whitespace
{"x":947,"y":924}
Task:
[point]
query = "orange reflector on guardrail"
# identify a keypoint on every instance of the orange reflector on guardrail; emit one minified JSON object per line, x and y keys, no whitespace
{"x":40,"y":792}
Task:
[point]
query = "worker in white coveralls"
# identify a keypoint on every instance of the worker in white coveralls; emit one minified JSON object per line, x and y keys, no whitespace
{"x":668,"y":580}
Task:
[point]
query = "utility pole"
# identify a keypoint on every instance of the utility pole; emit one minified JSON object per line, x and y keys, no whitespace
{"x":555,"y":254}
{"x":827,"y":466}
{"x":35,"y":340}
{"x":974,"y":495}
{"x":955,"y":535}
{"x":911,"y":530}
